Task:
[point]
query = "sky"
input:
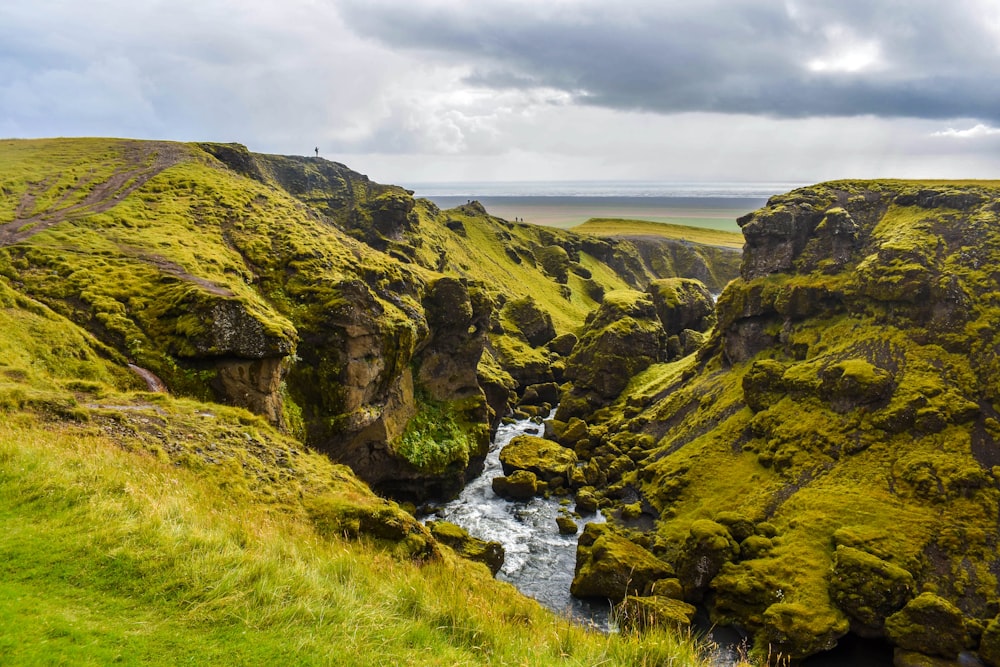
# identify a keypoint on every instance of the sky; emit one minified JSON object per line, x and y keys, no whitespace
{"x":420,"y":91}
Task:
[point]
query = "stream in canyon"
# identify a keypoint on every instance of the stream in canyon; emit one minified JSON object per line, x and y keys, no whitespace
{"x":540,"y":562}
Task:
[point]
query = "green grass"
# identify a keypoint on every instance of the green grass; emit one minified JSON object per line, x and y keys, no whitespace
{"x":617,"y":228}
{"x":111,"y":556}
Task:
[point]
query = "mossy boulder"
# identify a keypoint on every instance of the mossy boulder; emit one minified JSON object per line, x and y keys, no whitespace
{"x":989,"y":645}
{"x":868,"y":589}
{"x":621,"y":338}
{"x":929,"y":624}
{"x":682,"y":303}
{"x":563,"y":344}
{"x":555,"y":261}
{"x":610,"y":567}
{"x":795,"y":630}
{"x":566,"y":525}
{"x":527,"y":317}
{"x":544,"y":458}
{"x":519,"y":485}
{"x":639,"y":613}
{"x":709,"y":546}
{"x":489,"y":553}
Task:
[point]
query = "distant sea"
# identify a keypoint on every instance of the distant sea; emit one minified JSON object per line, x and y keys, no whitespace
{"x":570,"y":203}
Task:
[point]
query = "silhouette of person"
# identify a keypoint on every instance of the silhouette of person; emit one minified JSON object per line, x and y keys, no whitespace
{"x":317,"y":151}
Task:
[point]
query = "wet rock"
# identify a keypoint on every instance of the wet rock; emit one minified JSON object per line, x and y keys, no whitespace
{"x":520,"y":485}
{"x":541,"y":394}
{"x":566,"y":525}
{"x":586,"y":501}
{"x":546,"y":459}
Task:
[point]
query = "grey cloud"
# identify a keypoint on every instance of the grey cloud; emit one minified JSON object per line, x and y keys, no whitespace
{"x":931,"y":59}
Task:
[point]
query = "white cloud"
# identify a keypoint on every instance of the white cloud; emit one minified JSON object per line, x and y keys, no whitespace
{"x":975,"y":132}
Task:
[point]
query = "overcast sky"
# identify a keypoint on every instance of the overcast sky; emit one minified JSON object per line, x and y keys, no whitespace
{"x":430,"y":90}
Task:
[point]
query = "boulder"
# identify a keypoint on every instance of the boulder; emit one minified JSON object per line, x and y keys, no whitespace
{"x":521,"y":485}
{"x":611,"y":567}
{"x":682,"y":303}
{"x":928,"y":624}
{"x":795,"y":630}
{"x":534,"y":323}
{"x":989,"y":645}
{"x":566,"y":525}
{"x":868,"y":589}
{"x":563,"y":345}
{"x":637,"y":614}
{"x":489,"y":553}
{"x":708,"y":547}
{"x":545,"y":458}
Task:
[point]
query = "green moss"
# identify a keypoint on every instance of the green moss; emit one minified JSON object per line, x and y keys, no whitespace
{"x":433,"y":440}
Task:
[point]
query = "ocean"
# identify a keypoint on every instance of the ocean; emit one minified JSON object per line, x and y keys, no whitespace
{"x":569,"y":203}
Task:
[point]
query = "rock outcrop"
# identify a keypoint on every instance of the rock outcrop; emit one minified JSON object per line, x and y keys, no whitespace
{"x":827,"y":463}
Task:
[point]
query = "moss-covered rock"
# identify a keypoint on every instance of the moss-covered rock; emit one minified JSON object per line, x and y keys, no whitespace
{"x":795,"y":630}
{"x":621,"y":338}
{"x":868,"y":589}
{"x":525,"y":315}
{"x":989,"y":645}
{"x":489,"y":553}
{"x":546,"y":459}
{"x":708,"y":547}
{"x":929,"y":624}
{"x":637,"y":614}
{"x":519,"y":485}
{"x":609,"y":566}
{"x":682,"y":303}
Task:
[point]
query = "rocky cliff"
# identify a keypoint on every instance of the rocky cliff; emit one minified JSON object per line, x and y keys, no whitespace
{"x":828,"y":462}
{"x":368,"y":324}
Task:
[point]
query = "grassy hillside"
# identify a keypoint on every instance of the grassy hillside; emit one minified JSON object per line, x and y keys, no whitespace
{"x":617,"y":228}
{"x":288,"y":305}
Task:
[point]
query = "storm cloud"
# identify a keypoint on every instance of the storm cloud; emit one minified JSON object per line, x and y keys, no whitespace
{"x":800,"y":58}
{"x":519,"y":89}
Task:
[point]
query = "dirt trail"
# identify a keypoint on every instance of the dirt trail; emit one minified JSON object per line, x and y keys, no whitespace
{"x":143,"y":161}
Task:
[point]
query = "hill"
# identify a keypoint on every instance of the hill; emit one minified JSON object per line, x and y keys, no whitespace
{"x":639,"y":229}
{"x":195,"y":335}
{"x":827,"y":463}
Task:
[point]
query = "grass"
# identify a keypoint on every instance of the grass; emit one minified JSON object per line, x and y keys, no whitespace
{"x":618,"y":228}
{"x":112,"y":556}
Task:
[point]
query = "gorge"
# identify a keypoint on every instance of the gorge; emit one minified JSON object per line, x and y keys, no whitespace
{"x":812,"y":457}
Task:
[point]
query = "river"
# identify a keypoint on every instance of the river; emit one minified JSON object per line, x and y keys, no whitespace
{"x":540,"y":562}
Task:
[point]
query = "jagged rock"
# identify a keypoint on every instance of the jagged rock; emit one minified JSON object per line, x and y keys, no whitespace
{"x":534,"y":323}
{"x":563,"y":344}
{"x":621,"y":338}
{"x":637,"y":614}
{"x":519,"y":485}
{"x":775,"y":236}
{"x":489,"y":553}
{"x":707,"y":548}
{"x":682,"y":303}
{"x":868,"y":589}
{"x":546,"y":459}
{"x":929,"y":624}
{"x":539,"y":394}
{"x":609,"y":566}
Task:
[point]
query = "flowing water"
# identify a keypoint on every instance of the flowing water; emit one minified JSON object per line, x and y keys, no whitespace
{"x":539,"y":561}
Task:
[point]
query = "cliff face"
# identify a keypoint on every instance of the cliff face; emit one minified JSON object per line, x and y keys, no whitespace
{"x":344,"y":311}
{"x":827,"y":463}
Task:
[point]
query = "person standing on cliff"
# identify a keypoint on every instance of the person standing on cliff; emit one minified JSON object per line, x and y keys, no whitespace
{"x":317,"y":151}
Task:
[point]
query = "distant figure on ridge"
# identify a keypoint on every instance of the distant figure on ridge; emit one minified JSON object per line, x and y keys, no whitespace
{"x":317,"y":151}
